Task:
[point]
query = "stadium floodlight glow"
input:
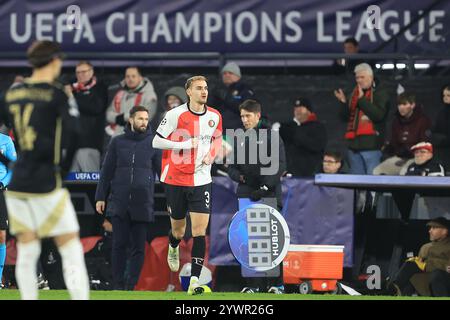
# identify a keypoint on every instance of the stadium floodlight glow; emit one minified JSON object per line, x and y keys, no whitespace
{"x":421,"y":65}
{"x":387,"y":66}
{"x":400,"y":66}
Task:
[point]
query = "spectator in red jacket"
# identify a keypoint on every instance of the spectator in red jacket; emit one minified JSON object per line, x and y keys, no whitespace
{"x":410,"y":126}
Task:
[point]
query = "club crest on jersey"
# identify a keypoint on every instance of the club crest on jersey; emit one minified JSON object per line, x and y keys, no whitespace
{"x":211,"y":123}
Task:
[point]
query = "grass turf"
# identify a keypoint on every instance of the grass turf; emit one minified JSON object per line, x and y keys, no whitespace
{"x":11,"y":294}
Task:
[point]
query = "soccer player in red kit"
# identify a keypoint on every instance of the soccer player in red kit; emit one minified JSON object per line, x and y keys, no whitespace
{"x":191,"y":136}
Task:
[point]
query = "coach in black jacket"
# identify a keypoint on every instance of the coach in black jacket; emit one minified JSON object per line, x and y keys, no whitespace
{"x":127,"y":181}
{"x":253,"y":182}
{"x":250,"y":171}
{"x":305,"y":138}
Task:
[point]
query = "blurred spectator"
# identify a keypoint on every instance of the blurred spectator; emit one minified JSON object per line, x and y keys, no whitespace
{"x":428,"y":272}
{"x":305,"y":138}
{"x":410,"y":126}
{"x":332,"y":162}
{"x":91,"y":95}
{"x":350,"y":46}
{"x":365,"y":111}
{"x":135,"y":91}
{"x":228,"y":101}
{"x":441,"y":130}
{"x":173,"y":97}
{"x":424,"y":163}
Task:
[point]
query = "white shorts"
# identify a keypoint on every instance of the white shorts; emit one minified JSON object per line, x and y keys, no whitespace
{"x":48,"y":215}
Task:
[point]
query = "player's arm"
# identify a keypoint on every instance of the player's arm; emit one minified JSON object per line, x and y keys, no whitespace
{"x":156,"y":162}
{"x":167,"y":126}
{"x":271,"y":181}
{"x":11,"y":155}
{"x":216,"y":144}
{"x":160,"y":142}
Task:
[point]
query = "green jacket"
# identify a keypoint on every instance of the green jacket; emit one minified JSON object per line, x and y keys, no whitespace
{"x":376,"y":111}
{"x":436,"y":256}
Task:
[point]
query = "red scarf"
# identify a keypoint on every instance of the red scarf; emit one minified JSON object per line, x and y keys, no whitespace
{"x":78,"y":86}
{"x":359,"y":125}
{"x":117,"y":103}
{"x":119,"y":96}
{"x":312,"y":117}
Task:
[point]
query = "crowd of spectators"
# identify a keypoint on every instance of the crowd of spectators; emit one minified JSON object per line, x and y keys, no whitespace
{"x":364,"y":110}
{"x":416,"y":145}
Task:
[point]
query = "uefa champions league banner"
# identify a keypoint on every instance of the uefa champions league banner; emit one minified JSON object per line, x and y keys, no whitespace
{"x":223,"y":25}
{"x":314,"y":214}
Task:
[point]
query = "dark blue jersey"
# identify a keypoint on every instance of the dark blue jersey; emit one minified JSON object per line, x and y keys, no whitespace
{"x":44,"y":120}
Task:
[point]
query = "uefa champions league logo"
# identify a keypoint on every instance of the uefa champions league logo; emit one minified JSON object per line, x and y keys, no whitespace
{"x":259,"y":237}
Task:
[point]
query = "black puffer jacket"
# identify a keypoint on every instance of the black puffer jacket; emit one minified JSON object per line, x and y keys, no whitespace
{"x":305,"y":145}
{"x":227,"y":102}
{"x":127,"y":177}
{"x":441,"y":136}
{"x":253,"y":171}
{"x":92,"y":104}
{"x":431,"y":168}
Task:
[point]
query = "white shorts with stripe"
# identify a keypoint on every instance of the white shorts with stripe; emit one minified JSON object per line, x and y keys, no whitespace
{"x":48,"y":215}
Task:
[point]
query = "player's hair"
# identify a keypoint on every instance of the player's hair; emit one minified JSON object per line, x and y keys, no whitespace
{"x":406,"y":97}
{"x":42,"y":52}
{"x":189,"y":81}
{"x":250,"y":106}
{"x":136,"y":109}
{"x":352,"y":41}
{"x":134,"y":67}
{"x":85,"y":62}
{"x":335,"y":154}
{"x":364,"y":67}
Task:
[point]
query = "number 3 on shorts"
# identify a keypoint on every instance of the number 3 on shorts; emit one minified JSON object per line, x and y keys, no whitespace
{"x":207,"y":199}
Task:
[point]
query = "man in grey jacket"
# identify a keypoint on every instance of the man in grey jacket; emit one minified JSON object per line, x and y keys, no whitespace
{"x":135,"y":90}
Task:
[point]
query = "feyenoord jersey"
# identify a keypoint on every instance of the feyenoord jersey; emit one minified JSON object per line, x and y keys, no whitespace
{"x":184,"y":167}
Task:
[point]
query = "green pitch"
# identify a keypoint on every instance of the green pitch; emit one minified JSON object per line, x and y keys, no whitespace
{"x":157,"y":295}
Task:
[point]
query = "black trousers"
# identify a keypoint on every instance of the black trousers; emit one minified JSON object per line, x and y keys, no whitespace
{"x":127,"y":234}
{"x":403,"y":276}
{"x":440,"y":283}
